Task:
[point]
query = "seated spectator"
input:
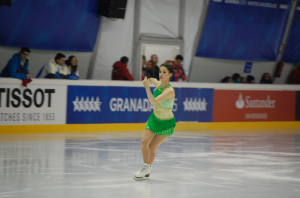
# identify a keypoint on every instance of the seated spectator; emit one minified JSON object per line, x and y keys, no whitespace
{"x":250,"y":79}
{"x":296,"y":75}
{"x":55,"y":68}
{"x":17,"y":66}
{"x":73,"y":73}
{"x":236,"y":78}
{"x":120,"y":71}
{"x":243,"y":80}
{"x":151,"y":71}
{"x":227,"y":79}
{"x":144,"y":62}
{"x":266,"y":79}
{"x":178,"y":69}
{"x":154,"y":58}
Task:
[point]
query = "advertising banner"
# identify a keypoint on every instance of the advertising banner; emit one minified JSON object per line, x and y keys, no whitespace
{"x":195,"y":104}
{"x":38,"y":104}
{"x":241,"y":106}
{"x":100,"y":104}
{"x":298,"y":106}
{"x":236,"y":29}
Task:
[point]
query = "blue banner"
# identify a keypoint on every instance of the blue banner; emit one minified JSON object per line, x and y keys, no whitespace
{"x":291,"y":52}
{"x":92,"y":104}
{"x":52,"y":25}
{"x":244,"y":30}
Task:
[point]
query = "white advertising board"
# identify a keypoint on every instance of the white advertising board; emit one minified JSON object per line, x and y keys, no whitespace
{"x":37,"y":104}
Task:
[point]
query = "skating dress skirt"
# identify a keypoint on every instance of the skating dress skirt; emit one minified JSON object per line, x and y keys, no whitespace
{"x":162,"y":120}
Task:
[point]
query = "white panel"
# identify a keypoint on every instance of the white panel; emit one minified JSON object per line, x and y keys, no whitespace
{"x":36,"y":108}
{"x":164,"y":52}
{"x":160,"y":18}
{"x":116,"y":41}
{"x":193,"y":11}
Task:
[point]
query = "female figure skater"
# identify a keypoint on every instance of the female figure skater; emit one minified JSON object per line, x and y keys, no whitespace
{"x":161,"y":122}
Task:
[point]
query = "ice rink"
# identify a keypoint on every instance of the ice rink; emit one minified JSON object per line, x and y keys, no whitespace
{"x":225,"y":163}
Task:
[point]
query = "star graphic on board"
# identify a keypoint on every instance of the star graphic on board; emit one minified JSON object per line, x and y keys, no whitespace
{"x":195,"y":104}
{"x":87,"y":104}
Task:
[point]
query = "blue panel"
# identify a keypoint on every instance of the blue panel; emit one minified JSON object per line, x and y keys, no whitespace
{"x":291,"y":52}
{"x":244,"y":30}
{"x":92,"y":104}
{"x":53,"y":25}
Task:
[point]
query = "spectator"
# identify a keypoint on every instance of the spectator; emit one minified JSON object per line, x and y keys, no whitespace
{"x":120,"y":71}
{"x":266,"y":79}
{"x":151,"y":71}
{"x":144,"y":62}
{"x":250,"y":79}
{"x":227,"y":79}
{"x":56,"y":68}
{"x":243,"y":80}
{"x":178,"y":69}
{"x":17,"y":66}
{"x":236,"y":78}
{"x":73,"y":73}
{"x":154,"y":58}
{"x":296,"y":75}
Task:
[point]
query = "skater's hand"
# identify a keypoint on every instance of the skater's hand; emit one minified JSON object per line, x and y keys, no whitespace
{"x":153,"y":80}
{"x":146,"y":82}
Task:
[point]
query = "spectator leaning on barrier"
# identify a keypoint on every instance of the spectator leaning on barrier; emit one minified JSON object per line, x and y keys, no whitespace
{"x":266,"y":79}
{"x":73,"y":73}
{"x":17,"y":66}
{"x":295,"y":78}
{"x":154,"y":58}
{"x":178,"y":69}
{"x":250,"y":79}
{"x":236,"y":78}
{"x":120,"y":71}
{"x":56,"y":67}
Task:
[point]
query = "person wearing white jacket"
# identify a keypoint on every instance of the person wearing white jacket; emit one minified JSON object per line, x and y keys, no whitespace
{"x":56,"y":67}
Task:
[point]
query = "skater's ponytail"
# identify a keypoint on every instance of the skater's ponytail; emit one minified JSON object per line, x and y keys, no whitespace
{"x":170,"y":68}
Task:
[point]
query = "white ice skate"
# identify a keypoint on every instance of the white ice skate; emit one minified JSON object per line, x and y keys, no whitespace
{"x":144,"y":173}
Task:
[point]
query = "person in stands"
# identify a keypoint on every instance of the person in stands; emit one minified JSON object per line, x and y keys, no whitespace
{"x":226,"y":79}
{"x":154,"y":58}
{"x":295,"y":78}
{"x":250,"y":79}
{"x":179,"y":74}
{"x":150,"y":70}
{"x":236,"y":78}
{"x":266,"y":79}
{"x":17,"y":66}
{"x":120,"y":71}
{"x":55,"y":68}
{"x":73,"y":73}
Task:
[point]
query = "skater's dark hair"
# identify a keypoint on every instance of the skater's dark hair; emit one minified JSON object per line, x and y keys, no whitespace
{"x":169,"y":67}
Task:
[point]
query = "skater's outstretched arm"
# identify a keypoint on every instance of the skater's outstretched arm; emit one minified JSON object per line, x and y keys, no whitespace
{"x":168,"y":94}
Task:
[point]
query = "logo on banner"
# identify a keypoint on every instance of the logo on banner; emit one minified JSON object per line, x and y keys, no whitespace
{"x":87,"y":104}
{"x":254,"y":103}
{"x":195,"y":104}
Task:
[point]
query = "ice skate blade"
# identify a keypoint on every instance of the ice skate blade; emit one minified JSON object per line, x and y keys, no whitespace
{"x":140,"y":178}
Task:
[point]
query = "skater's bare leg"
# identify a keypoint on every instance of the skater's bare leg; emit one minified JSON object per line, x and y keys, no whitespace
{"x":155,"y":142}
{"x":146,"y":139}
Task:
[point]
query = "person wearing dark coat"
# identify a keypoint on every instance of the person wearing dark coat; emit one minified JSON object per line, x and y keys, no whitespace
{"x":17,"y":66}
{"x":120,"y":71}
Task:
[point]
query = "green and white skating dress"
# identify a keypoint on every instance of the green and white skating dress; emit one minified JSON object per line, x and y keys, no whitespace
{"x":162,"y":120}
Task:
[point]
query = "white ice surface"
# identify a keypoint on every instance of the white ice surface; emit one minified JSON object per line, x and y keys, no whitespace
{"x":187,"y":165}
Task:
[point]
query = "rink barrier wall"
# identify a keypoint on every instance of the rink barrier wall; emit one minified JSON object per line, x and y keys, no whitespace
{"x":91,"y":105}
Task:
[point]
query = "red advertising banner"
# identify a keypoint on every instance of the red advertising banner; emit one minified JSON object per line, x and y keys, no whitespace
{"x":242,"y":106}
